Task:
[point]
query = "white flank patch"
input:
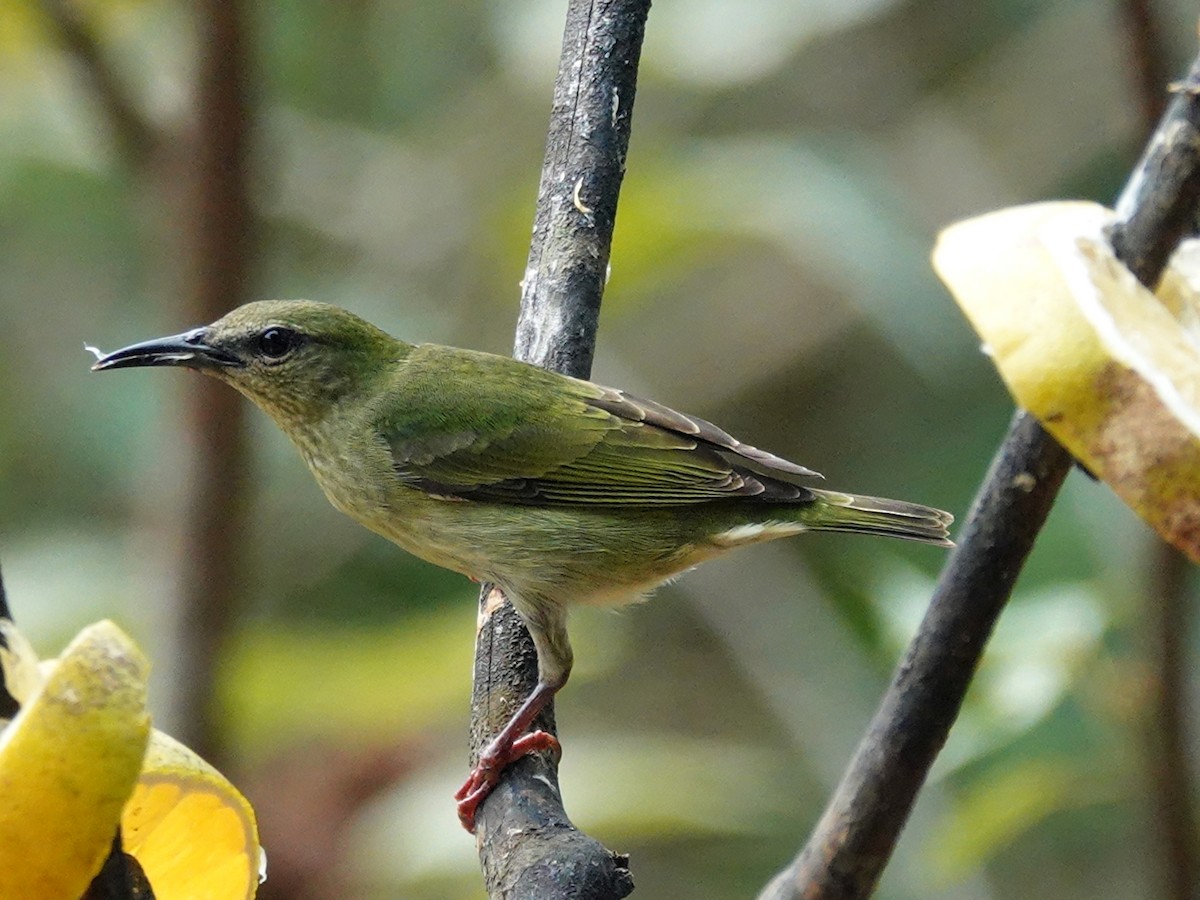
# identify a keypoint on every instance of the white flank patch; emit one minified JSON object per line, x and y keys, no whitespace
{"x":764,"y":531}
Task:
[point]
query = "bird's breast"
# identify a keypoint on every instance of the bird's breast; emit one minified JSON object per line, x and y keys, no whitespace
{"x":355,"y":470}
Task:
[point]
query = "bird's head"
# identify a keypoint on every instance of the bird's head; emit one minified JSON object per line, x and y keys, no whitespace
{"x":294,"y":358}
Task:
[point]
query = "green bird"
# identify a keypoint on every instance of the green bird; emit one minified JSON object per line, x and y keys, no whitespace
{"x":557,"y":490}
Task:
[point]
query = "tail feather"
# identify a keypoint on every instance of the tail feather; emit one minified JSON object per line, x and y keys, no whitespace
{"x":835,"y":511}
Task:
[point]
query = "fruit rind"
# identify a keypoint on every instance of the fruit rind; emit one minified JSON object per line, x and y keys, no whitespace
{"x":68,"y":762}
{"x":1110,"y":369}
{"x":182,"y":793}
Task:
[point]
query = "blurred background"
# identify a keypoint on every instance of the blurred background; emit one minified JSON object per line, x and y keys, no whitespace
{"x":790,"y":165}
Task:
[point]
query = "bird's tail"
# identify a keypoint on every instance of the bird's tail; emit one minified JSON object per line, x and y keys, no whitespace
{"x":835,"y":511}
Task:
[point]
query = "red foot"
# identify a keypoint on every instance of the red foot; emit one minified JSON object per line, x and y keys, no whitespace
{"x":492,"y":762}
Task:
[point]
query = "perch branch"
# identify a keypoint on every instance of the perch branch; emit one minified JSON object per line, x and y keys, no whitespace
{"x":855,"y":836}
{"x":527,"y":846}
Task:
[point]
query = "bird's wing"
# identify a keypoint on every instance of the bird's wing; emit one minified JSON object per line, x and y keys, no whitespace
{"x":480,"y":427}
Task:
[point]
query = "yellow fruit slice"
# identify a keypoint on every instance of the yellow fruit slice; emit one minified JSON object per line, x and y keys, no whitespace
{"x":193,"y":833}
{"x":69,"y":760}
{"x":1109,"y":368}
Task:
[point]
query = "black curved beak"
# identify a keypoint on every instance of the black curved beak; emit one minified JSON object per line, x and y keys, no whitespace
{"x":190,"y":349}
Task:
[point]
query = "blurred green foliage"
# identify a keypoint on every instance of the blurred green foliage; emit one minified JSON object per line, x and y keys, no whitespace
{"x":790,"y":164}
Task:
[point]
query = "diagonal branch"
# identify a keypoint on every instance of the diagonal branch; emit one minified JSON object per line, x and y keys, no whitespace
{"x":134,"y":133}
{"x":527,"y":846}
{"x":855,"y":836}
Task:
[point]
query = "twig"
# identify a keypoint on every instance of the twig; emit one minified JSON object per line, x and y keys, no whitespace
{"x":8,"y":703}
{"x":855,"y":836}
{"x":1158,"y":206}
{"x":1147,"y":57}
{"x":527,"y":846}
{"x":120,"y":878}
{"x":134,"y":134}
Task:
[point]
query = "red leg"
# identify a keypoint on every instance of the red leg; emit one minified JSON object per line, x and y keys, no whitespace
{"x":508,"y":746}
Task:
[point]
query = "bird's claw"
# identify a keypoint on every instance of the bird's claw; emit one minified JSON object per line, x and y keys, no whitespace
{"x":492,"y":763}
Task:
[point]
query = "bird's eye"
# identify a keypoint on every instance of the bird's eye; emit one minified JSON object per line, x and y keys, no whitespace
{"x":276,"y":342}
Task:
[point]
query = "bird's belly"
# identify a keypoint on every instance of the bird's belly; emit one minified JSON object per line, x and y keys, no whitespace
{"x":562,"y":554}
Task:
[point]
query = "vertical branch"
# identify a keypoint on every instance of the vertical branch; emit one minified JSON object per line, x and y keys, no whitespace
{"x":857,"y":833}
{"x":527,"y":846}
{"x":1168,"y":765}
{"x":1168,"y":619}
{"x":201,"y":178}
{"x":219,"y":216}
{"x":581,"y":178}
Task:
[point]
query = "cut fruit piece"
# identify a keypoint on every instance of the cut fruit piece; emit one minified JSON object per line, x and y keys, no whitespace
{"x":74,"y":763}
{"x":69,"y":759}
{"x":1109,"y":368}
{"x":192,"y":831}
